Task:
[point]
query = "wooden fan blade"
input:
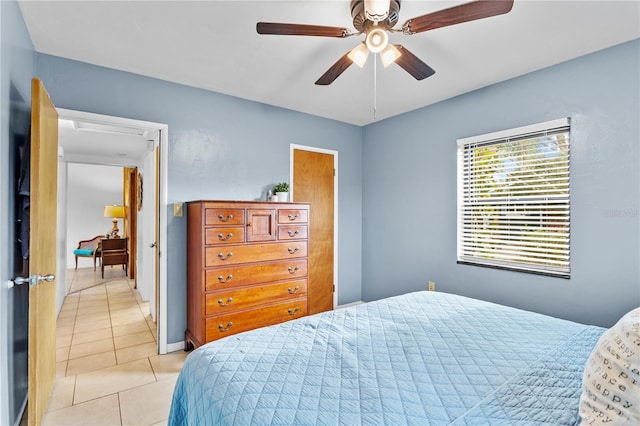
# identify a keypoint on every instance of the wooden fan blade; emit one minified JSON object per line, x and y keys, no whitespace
{"x":277,"y":28}
{"x":412,"y":64}
{"x":335,"y":71}
{"x":457,"y":14}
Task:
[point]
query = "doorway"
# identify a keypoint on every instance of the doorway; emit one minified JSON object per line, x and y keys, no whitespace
{"x":115,"y":141}
{"x":314,"y":179}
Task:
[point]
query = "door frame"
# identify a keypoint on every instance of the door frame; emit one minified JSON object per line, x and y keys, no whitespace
{"x":293,"y":147}
{"x":162,"y":191}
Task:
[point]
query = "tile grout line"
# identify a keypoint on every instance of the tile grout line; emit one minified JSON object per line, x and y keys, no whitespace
{"x":119,"y":408}
{"x":73,"y":331}
{"x":113,"y":337}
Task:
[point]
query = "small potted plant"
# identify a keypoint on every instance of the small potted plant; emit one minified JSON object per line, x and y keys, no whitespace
{"x":282,"y":191}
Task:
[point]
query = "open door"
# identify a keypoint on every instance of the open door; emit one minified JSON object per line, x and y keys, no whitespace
{"x":42,"y":251}
{"x":131,"y":202}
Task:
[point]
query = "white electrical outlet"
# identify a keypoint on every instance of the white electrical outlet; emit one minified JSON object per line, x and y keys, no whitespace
{"x":431,"y":286}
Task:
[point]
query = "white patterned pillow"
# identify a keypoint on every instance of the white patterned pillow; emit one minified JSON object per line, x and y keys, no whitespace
{"x":611,"y":380}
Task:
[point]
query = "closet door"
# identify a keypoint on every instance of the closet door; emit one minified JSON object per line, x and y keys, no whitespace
{"x":313,"y":182}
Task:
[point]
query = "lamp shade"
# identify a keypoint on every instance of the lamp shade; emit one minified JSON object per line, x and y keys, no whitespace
{"x":359,"y":55}
{"x":389,"y":55}
{"x":115,"y":212}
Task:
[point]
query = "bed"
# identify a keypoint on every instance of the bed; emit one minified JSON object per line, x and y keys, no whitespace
{"x":424,"y":358}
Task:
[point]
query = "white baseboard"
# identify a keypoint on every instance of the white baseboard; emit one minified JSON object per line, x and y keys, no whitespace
{"x":174,"y":347}
{"x":359,"y":302}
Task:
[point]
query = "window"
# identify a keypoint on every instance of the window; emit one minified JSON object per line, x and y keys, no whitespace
{"x":513,"y":199}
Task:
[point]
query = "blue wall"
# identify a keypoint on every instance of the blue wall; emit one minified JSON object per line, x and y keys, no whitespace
{"x":409,"y":198}
{"x":402,"y":170}
{"x":220,"y":147}
{"x":17,"y":66}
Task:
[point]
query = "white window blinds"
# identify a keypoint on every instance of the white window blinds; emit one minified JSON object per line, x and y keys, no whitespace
{"x":513,"y":199}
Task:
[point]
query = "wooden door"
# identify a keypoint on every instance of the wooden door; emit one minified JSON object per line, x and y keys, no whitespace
{"x":42,"y":251}
{"x":131,"y":192}
{"x":313,"y":182}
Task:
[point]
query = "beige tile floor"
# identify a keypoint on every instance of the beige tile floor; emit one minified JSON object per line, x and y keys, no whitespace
{"x":108,"y":370}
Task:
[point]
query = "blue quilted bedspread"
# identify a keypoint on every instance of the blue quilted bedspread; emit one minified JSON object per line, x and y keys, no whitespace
{"x":421,"y":358}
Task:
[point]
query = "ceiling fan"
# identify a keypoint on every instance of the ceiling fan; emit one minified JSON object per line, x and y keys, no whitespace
{"x":376,"y":18}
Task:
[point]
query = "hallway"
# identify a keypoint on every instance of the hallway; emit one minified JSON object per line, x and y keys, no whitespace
{"x":108,"y":370}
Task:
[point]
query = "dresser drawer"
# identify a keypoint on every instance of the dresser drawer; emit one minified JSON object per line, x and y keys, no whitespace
{"x":225,"y":325}
{"x":233,"y":254}
{"x":293,"y":216}
{"x":292,"y":232}
{"x":225,"y":277}
{"x":224,"y":235}
{"x":227,"y":301}
{"x":224,"y":217}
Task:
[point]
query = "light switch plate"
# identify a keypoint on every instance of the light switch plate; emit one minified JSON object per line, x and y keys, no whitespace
{"x":177,"y":209}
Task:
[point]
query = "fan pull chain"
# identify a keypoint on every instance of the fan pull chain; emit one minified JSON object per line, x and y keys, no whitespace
{"x":375,"y":86}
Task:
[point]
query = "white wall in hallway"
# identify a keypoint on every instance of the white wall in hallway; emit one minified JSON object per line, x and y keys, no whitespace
{"x":90,"y":189}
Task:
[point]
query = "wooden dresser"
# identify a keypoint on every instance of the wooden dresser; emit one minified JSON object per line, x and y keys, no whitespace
{"x":246,"y":266}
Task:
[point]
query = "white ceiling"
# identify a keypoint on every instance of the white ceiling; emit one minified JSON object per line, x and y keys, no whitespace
{"x":214,"y":45}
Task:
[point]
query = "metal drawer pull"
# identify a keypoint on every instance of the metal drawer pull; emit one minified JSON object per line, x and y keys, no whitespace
{"x":293,"y":291}
{"x":222,"y":219}
{"x":292,"y":217}
{"x":294,"y":312}
{"x":222,"y":280}
{"x":222,"y":257}
{"x":293,"y":270}
{"x":222,"y":303}
{"x":293,"y":234}
{"x":291,"y":251}
{"x":223,"y":328}
{"x":223,"y":238}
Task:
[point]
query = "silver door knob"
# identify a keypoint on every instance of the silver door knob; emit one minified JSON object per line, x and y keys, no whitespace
{"x":18,"y":281}
{"x":33,"y":279}
{"x":153,"y":245}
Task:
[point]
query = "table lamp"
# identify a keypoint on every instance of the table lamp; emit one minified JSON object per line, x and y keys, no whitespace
{"x":115,"y":212}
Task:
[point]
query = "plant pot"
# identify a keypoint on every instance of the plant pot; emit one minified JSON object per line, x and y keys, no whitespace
{"x":274,"y":198}
{"x":283,"y":197}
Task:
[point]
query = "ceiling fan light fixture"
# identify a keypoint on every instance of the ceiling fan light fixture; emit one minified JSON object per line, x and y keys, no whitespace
{"x":376,"y":19}
{"x":376,"y":10}
{"x":389,"y":55}
{"x":377,"y":39}
{"x":359,"y":54}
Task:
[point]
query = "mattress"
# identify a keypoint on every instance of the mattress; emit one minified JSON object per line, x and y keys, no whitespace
{"x":424,"y":358}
